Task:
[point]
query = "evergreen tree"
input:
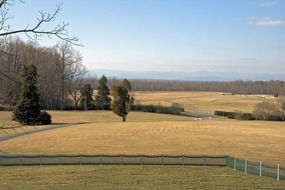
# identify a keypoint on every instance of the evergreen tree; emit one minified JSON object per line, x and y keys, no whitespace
{"x":102,"y":100}
{"x":121,"y":101}
{"x":87,"y":96}
{"x":28,"y":110}
{"x":126,"y":83}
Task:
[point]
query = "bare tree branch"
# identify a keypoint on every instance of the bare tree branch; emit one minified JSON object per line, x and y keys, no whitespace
{"x":10,"y":78}
{"x":37,"y":31}
{"x":2,"y":3}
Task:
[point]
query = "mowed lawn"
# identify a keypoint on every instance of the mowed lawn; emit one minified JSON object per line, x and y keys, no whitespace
{"x":206,"y":102}
{"x":146,"y":133}
{"x":131,"y":177}
{"x":10,"y":127}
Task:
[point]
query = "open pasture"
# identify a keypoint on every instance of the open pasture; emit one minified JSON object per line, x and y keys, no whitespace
{"x":59,"y":118}
{"x":131,"y":177}
{"x":147,"y":133}
{"x":206,"y":102}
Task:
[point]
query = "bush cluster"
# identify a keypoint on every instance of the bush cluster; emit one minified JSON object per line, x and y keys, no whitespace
{"x":235,"y":115}
{"x":157,"y":109}
{"x":249,"y":116}
{"x":44,"y":118}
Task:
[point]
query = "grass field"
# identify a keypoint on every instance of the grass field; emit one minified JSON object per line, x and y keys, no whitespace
{"x":131,"y":177}
{"x":9,"y":127}
{"x":147,"y":133}
{"x":206,"y":102}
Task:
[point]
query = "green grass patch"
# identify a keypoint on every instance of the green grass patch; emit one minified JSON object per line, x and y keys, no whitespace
{"x":131,"y":177}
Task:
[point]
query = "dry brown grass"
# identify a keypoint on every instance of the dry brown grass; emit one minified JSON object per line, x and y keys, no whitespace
{"x":146,"y":133}
{"x":9,"y":127}
{"x":206,"y":102}
{"x":107,"y":117}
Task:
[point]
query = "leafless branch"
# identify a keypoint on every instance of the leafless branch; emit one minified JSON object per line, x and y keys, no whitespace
{"x":10,"y":78}
{"x":37,"y":31}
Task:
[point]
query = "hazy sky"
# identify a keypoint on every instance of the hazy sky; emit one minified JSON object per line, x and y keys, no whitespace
{"x":172,"y":35}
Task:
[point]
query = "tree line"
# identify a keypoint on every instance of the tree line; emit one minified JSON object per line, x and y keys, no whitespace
{"x":63,"y":79}
{"x":236,"y":87}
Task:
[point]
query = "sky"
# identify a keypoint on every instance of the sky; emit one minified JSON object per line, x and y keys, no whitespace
{"x":171,"y":35}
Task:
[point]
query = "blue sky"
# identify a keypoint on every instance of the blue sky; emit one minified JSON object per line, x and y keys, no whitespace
{"x":172,"y":35}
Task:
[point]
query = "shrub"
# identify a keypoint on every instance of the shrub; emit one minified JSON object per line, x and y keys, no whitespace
{"x":244,"y":116}
{"x":235,"y":115}
{"x":276,"y":94}
{"x":224,"y":114}
{"x":44,"y":118}
{"x":157,"y":109}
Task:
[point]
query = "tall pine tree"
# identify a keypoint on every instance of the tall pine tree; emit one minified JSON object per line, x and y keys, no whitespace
{"x":102,"y":100}
{"x":28,"y":110}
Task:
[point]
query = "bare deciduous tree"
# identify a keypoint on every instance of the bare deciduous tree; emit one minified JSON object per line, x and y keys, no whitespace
{"x":68,"y":67}
{"x":76,"y":84}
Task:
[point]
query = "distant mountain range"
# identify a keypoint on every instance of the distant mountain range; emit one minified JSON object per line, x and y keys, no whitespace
{"x":187,"y":76}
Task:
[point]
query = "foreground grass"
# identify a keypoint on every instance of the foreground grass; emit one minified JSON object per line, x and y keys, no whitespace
{"x":131,"y":177}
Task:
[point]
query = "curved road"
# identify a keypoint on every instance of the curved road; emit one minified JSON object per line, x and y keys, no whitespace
{"x":2,"y":139}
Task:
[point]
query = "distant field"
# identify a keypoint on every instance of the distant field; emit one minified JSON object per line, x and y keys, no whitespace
{"x":206,"y":102}
{"x":146,"y":133}
{"x":131,"y":177}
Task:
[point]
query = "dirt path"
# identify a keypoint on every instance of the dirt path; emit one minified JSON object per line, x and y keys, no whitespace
{"x":2,"y":139}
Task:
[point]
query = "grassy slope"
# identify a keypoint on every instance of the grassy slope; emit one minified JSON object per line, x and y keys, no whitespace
{"x":206,"y":102}
{"x":131,"y":177}
{"x":9,"y":127}
{"x":146,"y":133}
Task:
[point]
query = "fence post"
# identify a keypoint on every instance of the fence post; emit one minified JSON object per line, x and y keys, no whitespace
{"x":278,"y":172}
{"x":60,"y":160}
{"x":245,"y":166}
{"x":20,"y":161}
{"x":235,"y":164}
{"x":260,"y":168}
{"x":205,"y":161}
